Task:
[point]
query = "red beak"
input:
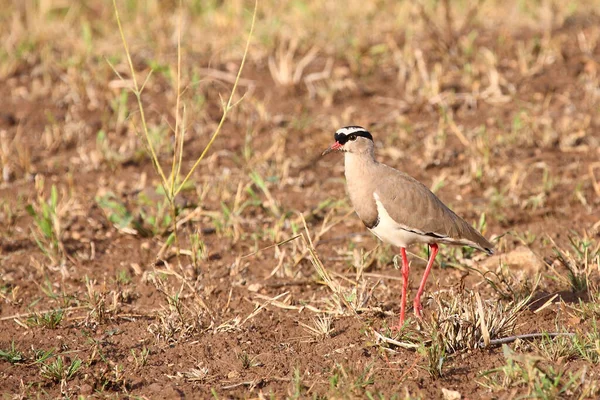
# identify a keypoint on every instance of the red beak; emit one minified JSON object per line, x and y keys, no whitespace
{"x":334,"y":147}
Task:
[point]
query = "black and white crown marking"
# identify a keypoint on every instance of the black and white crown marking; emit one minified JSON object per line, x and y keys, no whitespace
{"x":349,"y":133}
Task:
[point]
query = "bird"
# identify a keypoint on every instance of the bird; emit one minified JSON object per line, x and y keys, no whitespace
{"x":399,"y":209}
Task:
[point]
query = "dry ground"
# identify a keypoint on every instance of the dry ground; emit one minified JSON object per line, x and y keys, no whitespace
{"x":494,"y":105}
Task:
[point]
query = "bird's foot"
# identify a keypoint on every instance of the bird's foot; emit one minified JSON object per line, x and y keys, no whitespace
{"x":417,"y":308}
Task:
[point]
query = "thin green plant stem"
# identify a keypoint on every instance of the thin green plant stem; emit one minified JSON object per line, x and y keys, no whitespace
{"x":230,"y":104}
{"x":180,"y":161}
{"x":138,"y":96}
{"x":170,"y":184}
{"x":179,"y":137}
{"x":178,"y":134}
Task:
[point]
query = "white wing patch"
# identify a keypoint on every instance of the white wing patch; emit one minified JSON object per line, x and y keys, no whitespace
{"x":390,"y":231}
{"x":396,"y":234}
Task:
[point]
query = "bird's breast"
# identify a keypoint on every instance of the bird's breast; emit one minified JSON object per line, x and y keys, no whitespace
{"x":361,"y":197}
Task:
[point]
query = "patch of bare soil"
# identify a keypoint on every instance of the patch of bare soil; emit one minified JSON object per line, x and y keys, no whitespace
{"x":245,"y":324}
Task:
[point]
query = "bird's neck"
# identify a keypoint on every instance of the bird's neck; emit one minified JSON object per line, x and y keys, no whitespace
{"x":358,"y":166}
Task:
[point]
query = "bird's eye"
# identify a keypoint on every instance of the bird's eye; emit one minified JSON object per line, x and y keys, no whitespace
{"x":352,"y":137}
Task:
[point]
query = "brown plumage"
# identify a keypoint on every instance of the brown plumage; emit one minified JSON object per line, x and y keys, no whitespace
{"x":409,"y":203}
{"x":397,"y":208}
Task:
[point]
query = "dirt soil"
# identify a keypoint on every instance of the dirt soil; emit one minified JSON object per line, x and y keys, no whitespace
{"x":234,"y":325}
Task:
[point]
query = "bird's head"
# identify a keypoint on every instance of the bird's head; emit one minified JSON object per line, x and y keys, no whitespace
{"x":351,"y":139}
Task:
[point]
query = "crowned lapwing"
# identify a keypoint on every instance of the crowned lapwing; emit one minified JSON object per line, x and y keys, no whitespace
{"x":398,"y":209}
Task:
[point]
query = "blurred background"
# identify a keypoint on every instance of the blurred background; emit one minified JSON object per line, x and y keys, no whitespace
{"x":494,"y":105}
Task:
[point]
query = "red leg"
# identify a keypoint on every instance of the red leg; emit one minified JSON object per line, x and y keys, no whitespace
{"x":404,"y":287}
{"x":417,"y":302}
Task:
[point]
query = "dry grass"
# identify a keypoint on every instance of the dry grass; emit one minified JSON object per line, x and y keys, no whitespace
{"x":168,"y":201}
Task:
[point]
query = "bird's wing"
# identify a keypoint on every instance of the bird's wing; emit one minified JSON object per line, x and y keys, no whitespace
{"x":413,"y":206}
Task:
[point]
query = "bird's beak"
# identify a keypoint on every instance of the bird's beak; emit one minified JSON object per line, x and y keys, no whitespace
{"x":334,"y":147}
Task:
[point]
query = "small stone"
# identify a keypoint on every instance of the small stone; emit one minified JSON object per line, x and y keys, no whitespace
{"x":451,"y":394}
{"x":232,"y":375}
{"x":521,"y":258}
{"x":254,"y":287}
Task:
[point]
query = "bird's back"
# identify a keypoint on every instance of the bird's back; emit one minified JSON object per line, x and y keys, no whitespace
{"x":410,"y":204}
